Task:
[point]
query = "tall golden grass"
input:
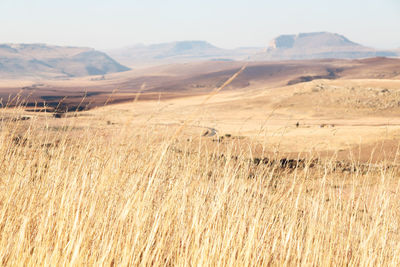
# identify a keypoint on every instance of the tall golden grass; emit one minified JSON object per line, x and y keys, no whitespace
{"x":132,"y":196}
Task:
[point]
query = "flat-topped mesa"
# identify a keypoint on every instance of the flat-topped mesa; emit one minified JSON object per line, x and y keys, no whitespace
{"x":317,"y":45}
{"x":316,"y":40}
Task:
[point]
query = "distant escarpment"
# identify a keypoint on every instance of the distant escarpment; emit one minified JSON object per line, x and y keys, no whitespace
{"x":44,"y":61}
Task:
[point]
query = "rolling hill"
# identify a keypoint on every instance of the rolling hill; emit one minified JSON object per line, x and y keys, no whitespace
{"x":45,"y":61}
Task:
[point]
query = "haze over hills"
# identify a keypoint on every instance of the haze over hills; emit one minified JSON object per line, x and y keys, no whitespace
{"x":174,"y":52}
{"x":45,"y":61}
{"x":318,"y":45}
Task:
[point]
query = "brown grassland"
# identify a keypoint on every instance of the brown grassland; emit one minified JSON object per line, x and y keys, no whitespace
{"x":185,"y":181}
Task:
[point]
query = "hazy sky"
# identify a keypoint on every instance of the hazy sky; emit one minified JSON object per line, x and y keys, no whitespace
{"x":226,"y":23}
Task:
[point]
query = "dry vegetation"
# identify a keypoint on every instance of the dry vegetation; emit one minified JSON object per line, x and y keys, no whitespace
{"x":117,"y":195}
{"x":305,"y":174}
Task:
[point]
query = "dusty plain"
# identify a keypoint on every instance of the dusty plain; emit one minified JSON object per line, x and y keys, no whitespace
{"x":347,"y":109}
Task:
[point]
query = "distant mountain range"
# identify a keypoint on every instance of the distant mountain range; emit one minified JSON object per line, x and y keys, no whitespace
{"x":40,"y":60}
{"x":45,"y":61}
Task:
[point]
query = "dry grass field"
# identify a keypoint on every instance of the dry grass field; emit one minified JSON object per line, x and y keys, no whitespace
{"x":304,"y":174}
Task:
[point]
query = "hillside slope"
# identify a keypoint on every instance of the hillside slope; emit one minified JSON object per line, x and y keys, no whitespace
{"x":193,"y":79}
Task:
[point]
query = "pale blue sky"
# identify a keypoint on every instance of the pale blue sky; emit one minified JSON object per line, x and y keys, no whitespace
{"x":226,"y":23}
